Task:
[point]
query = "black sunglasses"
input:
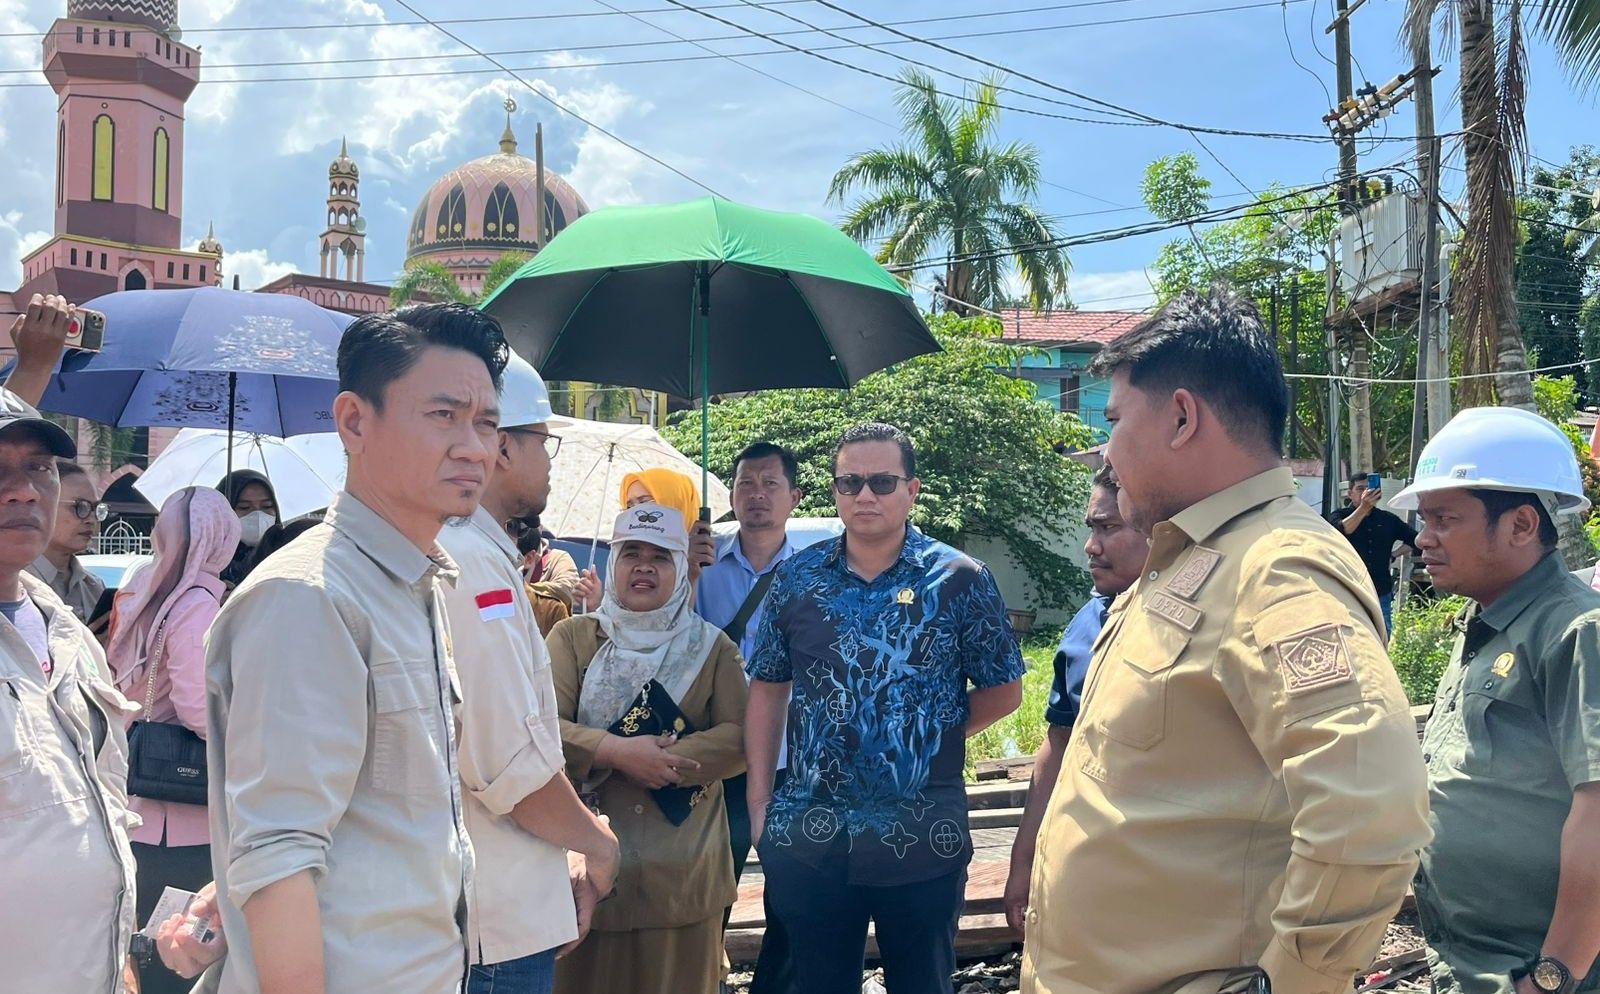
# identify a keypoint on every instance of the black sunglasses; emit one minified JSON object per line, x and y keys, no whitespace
{"x":882,"y":484}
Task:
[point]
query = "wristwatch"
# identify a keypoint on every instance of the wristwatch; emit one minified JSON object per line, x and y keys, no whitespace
{"x":1551,"y":976}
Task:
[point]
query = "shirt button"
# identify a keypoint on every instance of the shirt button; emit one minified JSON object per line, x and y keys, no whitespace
{"x":1154,"y":573}
{"x":1033,"y":917}
{"x":1488,"y":685}
{"x":638,"y":809}
{"x":1427,"y":757}
{"x":1473,"y":654}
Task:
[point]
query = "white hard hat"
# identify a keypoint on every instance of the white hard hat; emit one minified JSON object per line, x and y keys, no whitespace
{"x":524,"y":399}
{"x":1499,"y":448}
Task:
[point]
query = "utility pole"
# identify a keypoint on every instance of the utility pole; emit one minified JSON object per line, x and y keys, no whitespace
{"x":1360,"y":357}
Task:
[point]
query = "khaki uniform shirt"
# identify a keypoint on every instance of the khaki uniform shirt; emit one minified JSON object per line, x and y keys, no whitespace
{"x":671,"y":875}
{"x":329,"y":697}
{"x":1515,"y":728}
{"x":510,"y":747}
{"x":1243,"y":787}
{"x":66,"y":871}
{"x":78,"y":588}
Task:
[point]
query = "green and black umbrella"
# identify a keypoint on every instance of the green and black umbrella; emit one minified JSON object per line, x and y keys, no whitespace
{"x":707,"y":297}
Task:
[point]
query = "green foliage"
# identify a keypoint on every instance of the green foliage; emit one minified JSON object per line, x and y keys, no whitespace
{"x":950,"y":191}
{"x":1557,"y":400}
{"x":1421,"y":643}
{"x":428,"y":278}
{"x":985,"y":448}
{"x":503,"y":269}
{"x":1558,"y":266}
{"x":1020,"y":732}
{"x":1173,"y":188}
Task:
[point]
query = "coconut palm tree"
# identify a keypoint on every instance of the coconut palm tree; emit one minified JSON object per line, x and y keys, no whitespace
{"x":1493,"y":104}
{"x":430,"y":279}
{"x":948,"y":191}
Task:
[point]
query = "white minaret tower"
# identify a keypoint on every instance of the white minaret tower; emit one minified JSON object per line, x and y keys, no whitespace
{"x":346,"y":234}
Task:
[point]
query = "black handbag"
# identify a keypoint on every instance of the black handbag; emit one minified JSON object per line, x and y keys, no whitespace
{"x":654,"y":712}
{"x":166,"y":761}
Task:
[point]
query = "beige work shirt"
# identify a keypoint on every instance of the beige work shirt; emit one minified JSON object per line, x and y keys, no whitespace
{"x":510,"y":747}
{"x":671,"y":875}
{"x":66,"y":871}
{"x":329,"y":695}
{"x":1244,"y":785}
{"x":78,"y":588}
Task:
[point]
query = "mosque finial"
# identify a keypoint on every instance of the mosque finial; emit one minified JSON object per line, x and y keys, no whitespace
{"x":508,"y":140}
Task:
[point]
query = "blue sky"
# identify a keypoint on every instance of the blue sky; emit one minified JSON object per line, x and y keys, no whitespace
{"x":257,"y":152}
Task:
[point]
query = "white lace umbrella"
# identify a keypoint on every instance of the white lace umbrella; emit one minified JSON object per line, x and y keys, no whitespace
{"x":305,"y":470}
{"x":586,"y":477}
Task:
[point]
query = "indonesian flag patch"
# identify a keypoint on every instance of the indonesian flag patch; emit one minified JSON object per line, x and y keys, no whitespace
{"x":496,"y":604}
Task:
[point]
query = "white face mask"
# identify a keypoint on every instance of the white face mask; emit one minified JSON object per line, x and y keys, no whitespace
{"x":254,"y":525}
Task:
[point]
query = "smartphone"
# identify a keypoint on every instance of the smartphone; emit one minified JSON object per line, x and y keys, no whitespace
{"x":1374,"y":481}
{"x":87,"y":332}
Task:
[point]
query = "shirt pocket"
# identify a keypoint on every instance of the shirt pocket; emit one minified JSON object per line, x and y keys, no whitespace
{"x":407,"y":746}
{"x":16,"y":741}
{"x":29,"y":778}
{"x":1131,"y":704}
{"x":1507,"y":741}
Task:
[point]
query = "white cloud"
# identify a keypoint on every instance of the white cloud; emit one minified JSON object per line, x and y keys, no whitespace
{"x":1129,"y":290}
{"x":253,"y":268}
{"x":14,"y":244}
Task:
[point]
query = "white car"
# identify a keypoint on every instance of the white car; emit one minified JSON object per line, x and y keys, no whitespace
{"x":116,"y":569}
{"x":803,"y":532}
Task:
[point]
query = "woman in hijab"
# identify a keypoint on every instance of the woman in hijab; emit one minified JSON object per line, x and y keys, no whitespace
{"x":662,"y":933}
{"x":672,"y":489}
{"x":157,"y":658}
{"x":256,"y":506}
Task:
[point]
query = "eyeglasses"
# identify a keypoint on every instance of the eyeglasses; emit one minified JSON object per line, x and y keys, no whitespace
{"x":86,"y":509}
{"x":882,"y":484}
{"x":552,"y":443}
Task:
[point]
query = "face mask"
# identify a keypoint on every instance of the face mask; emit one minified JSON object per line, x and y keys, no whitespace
{"x":254,"y":525}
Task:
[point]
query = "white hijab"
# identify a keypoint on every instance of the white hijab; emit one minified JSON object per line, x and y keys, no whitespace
{"x":669,"y":645}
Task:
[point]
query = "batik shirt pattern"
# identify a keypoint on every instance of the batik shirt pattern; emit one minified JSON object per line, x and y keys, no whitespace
{"x":878,"y":706}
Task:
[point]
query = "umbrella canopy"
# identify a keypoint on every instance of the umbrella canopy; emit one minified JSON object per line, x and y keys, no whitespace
{"x":206,"y":358}
{"x":707,"y":297}
{"x":586,"y":475}
{"x":305,"y":471}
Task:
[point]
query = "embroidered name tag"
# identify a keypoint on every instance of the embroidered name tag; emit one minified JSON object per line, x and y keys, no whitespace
{"x":1185,"y":616}
{"x":1194,"y":573}
{"x":496,"y":605}
{"x":1313,"y":659}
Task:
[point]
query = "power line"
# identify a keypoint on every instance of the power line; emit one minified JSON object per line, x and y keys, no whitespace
{"x":558,"y":105}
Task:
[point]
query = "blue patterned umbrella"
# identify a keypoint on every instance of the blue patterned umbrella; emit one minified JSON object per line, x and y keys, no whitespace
{"x":206,"y":358}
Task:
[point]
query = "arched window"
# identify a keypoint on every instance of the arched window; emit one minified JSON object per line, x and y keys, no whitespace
{"x":158,"y":196}
{"x":419,"y":225}
{"x":105,"y":142}
{"x":500,"y":214}
{"x":452,"y":222}
{"x":555,"y":219}
{"x":134,"y":281}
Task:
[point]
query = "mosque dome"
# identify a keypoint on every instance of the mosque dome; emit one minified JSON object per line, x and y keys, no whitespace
{"x":479,"y":211}
{"x":343,"y":165}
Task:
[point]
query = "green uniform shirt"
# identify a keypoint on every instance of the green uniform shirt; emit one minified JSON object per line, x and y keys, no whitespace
{"x":1515,"y":728}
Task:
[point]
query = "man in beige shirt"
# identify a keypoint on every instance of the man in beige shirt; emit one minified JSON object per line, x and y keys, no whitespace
{"x":522,"y":812}
{"x":1243,"y":793}
{"x":338,"y":837}
{"x":66,"y":871}
{"x":78,"y":516}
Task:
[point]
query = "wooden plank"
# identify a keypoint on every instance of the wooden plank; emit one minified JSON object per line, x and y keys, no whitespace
{"x":995,"y":818}
{"x":979,"y":937}
{"x":997,"y":794}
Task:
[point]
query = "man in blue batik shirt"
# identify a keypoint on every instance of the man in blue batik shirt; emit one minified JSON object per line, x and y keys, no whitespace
{"x":869,"y":643}
{"x":1116,"y":556}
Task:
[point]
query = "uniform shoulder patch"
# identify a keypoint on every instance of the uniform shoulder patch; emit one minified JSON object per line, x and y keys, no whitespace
{"x":1313,"y":659}
{"x":1189,"y":578}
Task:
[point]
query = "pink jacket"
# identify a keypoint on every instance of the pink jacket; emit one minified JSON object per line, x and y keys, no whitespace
{"x":180,"y":695}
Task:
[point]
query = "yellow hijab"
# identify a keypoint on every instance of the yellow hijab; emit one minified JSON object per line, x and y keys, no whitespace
{"x":668,"y":488}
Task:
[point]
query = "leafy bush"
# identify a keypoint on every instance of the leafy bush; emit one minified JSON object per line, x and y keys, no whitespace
{"x":1421,"y":643}
{"x":1020,"y":732}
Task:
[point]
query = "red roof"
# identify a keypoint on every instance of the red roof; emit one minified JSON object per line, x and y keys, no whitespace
{"x":1067,"y":327}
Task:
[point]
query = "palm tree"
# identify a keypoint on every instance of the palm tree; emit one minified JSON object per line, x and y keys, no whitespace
{"x":436,"y":281}
{"x":949,"y":191}
{"x":1493,"y":117}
